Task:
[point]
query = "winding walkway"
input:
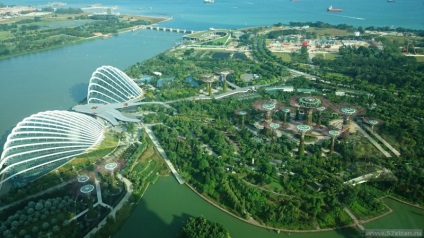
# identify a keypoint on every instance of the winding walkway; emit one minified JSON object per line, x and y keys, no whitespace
{"x":161,"y":151}
{"x":112,"y":213}
{"x":357,"y":222}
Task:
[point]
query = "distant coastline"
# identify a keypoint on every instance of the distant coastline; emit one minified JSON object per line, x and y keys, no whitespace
{"x":9,"y":48}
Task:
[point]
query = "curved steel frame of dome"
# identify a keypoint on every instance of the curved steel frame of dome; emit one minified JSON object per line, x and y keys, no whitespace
{"x":110,"y":85}
{"x":45,"y":141}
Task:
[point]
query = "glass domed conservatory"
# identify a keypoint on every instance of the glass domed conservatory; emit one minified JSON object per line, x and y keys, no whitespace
{"x":111,"y":85}
{"x":45,"y":141}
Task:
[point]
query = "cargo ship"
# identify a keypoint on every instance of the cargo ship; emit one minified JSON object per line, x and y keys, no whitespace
{"x":331,"y":9}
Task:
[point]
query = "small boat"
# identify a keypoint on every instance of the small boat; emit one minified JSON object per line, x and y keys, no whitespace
{"x":331,"y":9}
{"x":208,"y":1}
{"x":391,"y":0}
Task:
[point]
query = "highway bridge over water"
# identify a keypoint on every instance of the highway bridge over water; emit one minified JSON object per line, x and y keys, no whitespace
{"x":158,"y":28}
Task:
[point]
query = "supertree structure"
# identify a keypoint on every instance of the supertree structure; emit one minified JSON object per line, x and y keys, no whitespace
{"x":372,"y":122}
{"x":224,"y":75}
{"x":273,"y":125}
{"x":267,"y":106}
{"x":285,"y":111}
{"x":208,"y":79}
{"x":243,"y":114}
{"x":309,"y":104}
{"x":333,"y":134}
{"x":111,"y":167}
{"x":302,"y":129}
{"x":319,"y":110}
{"x":348,"y":111}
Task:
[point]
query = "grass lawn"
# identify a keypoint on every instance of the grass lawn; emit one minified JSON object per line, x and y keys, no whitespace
{"x":284,"y":56}
{"x":197,"y":34}
{"x":420,"y":59}
{"x":329,"y":31}
{"x":221,"y":41}
{"x":329,"y":56}
{"x":4,"y":35}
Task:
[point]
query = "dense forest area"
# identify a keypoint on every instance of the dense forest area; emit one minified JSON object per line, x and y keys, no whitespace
{"x":225,"y":162}
{"x":393,"y":82}
{"x":261,"y":177}
{"x":200,"y":227}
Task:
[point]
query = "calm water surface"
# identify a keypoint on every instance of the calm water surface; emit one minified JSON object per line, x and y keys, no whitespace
{"x":194,"y":14}
{"x":58,"y":79}
{"x":167,"y":205}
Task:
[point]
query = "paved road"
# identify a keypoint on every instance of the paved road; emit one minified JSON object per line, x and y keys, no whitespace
{"x":112,"y":213}
{"x":394,"y":151}
{"x":99,"y":193}
{"x":378,"y":146}
{"x":354,"y":219}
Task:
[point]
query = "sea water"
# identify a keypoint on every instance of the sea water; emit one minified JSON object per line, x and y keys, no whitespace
{"x":197,"y":15}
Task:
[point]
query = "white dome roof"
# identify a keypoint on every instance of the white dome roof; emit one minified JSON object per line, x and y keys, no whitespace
{"x":111,"y":85}
{"x":45,"y":141}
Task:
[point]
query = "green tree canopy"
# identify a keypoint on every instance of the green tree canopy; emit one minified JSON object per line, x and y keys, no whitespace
{"x":199,"y":227}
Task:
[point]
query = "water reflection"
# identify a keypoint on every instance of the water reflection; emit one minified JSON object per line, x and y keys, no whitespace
{"x":78,"y":91}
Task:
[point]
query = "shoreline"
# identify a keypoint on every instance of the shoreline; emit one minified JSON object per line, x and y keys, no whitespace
{"x":79,"y":41}
{"x":255,"y":223}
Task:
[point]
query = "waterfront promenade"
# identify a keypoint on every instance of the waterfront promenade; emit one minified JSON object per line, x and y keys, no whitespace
{"x":161,"y":151}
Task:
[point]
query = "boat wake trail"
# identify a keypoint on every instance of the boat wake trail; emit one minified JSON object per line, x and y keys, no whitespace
{"x":327,"y":14}
{"x":357,"y":18}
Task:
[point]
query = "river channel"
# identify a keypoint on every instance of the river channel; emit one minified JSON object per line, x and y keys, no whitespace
{"x":166,"y":205}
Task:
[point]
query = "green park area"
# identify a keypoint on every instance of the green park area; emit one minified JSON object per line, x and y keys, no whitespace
{"x":279,"y":147}
{"x":28,"y":34}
